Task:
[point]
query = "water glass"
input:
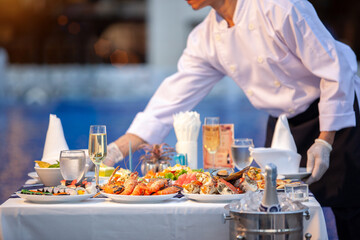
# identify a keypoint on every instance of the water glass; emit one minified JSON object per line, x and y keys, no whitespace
{"x":72,"y":164}
{"x":297,"y":191}
{"x":240,"y":152}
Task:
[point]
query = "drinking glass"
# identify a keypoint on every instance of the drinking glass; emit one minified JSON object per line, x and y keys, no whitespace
{"x":297,"y":191}
{"x":72,"y":164}
{"x":211,"y":136}
{"x":240,"y":152}
{"x":97,"y":147}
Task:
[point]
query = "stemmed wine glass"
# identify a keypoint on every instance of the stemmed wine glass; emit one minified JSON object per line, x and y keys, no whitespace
{"x":97,"y":147}
{"x":211,"y":136}
{"x":72,"y":164}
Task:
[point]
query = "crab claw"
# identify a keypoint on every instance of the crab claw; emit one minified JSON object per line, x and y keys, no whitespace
{"x":225,"y":187}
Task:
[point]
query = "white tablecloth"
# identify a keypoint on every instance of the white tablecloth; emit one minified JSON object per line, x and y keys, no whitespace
{"x":103,"y":219}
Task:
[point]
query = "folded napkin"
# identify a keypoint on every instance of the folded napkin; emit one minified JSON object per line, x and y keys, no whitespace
{"x":283,"y":151}
{"x":55,"y":141}
{"x":282,"y":138}
{"x":187,"y":127}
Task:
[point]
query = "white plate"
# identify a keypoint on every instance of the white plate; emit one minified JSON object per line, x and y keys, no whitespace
{"x":54,"y":199}
{"x":297,"y":176}
{"x":34,"y":176}
{"x":138,"y":199}
{"x":212,"y":197}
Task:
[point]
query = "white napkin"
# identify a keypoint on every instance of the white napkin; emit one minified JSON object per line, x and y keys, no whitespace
{"x":282,"y":138}
{"x":283,"y":151}
{"x":55,"y":141}
{"x":187,"y":127}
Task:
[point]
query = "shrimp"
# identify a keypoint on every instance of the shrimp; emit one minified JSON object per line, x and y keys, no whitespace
{"x":168,"y":190}
{"x":139,"y":189}
{"x":156,"y":186}
{"x":130,"y":184}
{"x":113,"y":188}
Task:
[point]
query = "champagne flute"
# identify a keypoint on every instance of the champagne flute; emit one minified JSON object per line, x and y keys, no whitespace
{"x":97,"y":147}
{"x":211,"y":136}
{"x":72,"y":164}
{"x":240,"y":152}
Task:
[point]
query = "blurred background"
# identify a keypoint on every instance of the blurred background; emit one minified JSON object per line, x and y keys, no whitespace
{"x":99,"y":62}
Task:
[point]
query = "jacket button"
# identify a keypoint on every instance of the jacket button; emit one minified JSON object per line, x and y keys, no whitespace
{"x":251,"y":27}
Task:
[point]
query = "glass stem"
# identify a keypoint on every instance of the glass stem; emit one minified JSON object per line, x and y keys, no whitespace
{"x":97,"y":175}
{"x":213,"y":160}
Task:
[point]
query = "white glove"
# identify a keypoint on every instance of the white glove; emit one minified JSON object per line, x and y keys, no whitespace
{"x":113,"y":156}
{"x":318,"y":157}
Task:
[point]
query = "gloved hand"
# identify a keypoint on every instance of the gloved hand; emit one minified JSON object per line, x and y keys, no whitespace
{"x":318,"y":160}
{"x":113,"y":156}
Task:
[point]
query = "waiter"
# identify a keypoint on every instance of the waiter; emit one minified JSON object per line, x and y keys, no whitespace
{"x":283,"y":58}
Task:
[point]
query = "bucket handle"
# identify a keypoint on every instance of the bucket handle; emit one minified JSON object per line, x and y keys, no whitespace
{"x":307,"y":215}
{"x":308,"y":236}
{"x":226,"y":218}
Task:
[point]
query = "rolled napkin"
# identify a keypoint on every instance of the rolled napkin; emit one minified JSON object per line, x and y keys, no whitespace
{"x":187,"y":127}
{"x":55,"y":141}
{"x":283,"y":151}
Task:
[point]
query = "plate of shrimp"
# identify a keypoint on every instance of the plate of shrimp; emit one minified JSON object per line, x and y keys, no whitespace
{"x":138,"y":198}
{"x":135,"y":190}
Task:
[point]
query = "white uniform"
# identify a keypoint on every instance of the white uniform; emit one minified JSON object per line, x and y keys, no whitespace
{"x":278,"y":52}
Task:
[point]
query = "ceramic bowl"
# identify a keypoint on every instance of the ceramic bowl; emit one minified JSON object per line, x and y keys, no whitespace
{"x":50,"y":177}
{"x":286,"y":161}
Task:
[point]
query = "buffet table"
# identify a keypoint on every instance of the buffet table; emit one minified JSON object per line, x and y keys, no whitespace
{"x":100,"y":218}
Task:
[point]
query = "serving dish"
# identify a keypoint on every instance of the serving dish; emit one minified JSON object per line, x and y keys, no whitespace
{"x":34,"y":176}
{"x":297,"y":176}
{"x":49,"y":176}
{"x":212,"y":198}
{"x":54,"y":199}
{"x":138,"y":199}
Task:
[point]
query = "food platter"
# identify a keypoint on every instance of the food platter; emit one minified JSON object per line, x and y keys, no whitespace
{"x":297,"y":176}
{"x":54,"y":199}
{"x":34,"y":175}
{"x":138,"y":199}
{"x":212,"y":197}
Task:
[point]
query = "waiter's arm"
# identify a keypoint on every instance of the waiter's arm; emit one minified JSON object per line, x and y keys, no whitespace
{"x":179,"y":92}
{"x":327,"y":136}
{"x":123,"y":143}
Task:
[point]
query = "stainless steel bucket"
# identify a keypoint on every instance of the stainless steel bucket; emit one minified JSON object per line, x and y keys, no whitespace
{"x":266,"y":226}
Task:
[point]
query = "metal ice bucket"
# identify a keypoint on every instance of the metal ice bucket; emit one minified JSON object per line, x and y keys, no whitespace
{"x":266,"y":226}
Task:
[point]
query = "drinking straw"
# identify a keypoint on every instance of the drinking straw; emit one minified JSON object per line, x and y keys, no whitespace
{"x":130,"y":156}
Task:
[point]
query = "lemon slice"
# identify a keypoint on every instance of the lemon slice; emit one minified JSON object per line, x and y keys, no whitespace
{"x":106,"y":171}
{"x":43,"y":164}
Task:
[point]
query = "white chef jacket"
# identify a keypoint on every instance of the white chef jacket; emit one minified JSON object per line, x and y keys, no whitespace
{"x":278,"y":52}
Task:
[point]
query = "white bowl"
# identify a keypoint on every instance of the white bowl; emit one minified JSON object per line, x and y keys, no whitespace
{"x":50,"y":177}
{"x":286,"y":161}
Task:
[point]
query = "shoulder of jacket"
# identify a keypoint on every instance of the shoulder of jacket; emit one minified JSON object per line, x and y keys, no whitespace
{"x":203,"y":27}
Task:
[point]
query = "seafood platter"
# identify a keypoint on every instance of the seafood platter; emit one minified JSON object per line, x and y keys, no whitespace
{"x":129,"y":188}
{"x":125,"y":186}
{"x":67,"y":191}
